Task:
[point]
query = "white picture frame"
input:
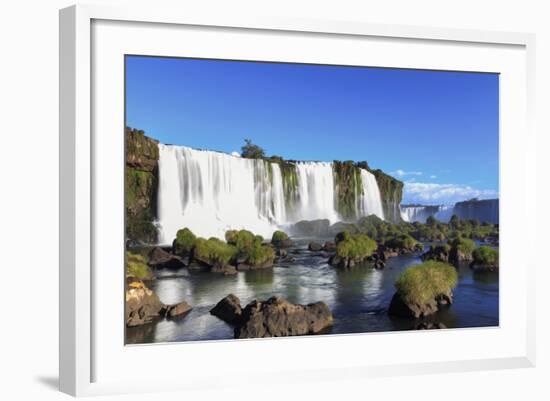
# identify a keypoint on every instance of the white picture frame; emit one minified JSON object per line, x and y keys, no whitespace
{"x":87,"y":362}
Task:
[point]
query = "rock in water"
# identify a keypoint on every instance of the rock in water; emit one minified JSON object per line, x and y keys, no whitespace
{"x":142,"y":304}
{"x":228,"y":309}
{"x":314,"y":246}
{"x":399,"y":307}
{"x":277,"y":317}
{"x":177,"y":310}
{"x":159,"y":258}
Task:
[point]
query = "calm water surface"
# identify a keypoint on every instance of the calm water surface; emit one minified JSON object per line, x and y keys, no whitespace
{"x":358,"y":298}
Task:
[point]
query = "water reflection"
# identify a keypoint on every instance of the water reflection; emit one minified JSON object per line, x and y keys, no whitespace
{"x":358,"y":298}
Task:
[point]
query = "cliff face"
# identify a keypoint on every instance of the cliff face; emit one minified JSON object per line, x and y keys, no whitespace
{"x":140,"y":186}
{"x":486,"y":210}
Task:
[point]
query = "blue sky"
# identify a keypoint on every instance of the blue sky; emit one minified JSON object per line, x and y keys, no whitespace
{"x":437,"y":131}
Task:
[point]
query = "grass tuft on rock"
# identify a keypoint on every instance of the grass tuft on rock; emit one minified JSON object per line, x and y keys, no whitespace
{"x":184,"y":242}
{"x":279,"y":236}
{"x":356,"y":247}
{"x":214,"y":251}
{"x":421,"y":284}
{"x":485,"y":255}
{"x":136,"y":266}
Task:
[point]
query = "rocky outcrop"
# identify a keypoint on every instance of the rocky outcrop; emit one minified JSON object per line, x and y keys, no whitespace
{"x":275,"y":317}
{"x":430,"y":326}
{"x":143,"y":306}
{"x":140,"y":186}
{"x":228,"y":309}
{"x":399,"y":307}
{"x":159,"y":258}
{"x":439,"y":253}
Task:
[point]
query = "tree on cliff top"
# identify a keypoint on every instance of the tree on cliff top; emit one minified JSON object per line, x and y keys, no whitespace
{"x":251,"y":151}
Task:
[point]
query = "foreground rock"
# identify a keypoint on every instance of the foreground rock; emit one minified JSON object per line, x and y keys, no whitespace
{"x":275,"y":317}
{"x":228,"y":309}
{"x":400,"y":307}
{"x":159,"y":258}
{"x":430,"y":326}
{"x":143,"y":306}
{"x":422,"y":289}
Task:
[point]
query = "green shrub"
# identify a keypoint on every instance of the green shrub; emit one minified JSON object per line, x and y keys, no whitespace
{"x":260,"y":254}
{"x":485,"y":255}
{"x":358,"y":246}
{"x":422,"y":283}
{"x":463,"y":245}
{"x":279,"y":236}
{"x":136,"y":266}
{"x":184,"y":242}
{"x":214,"y":251}
{"x":402,"y":241}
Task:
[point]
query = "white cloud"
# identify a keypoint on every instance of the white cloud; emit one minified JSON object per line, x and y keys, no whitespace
{"x":403,"y":173}
{"x":430,"y":193}
{"x":433,"y":176}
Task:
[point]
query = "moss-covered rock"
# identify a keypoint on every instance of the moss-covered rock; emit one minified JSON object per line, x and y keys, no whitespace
{"x":403,"y":243}
{"x":280,"y":239}
{"x":439,"y":252}
{"x":461,"y":249}
{"x":184,"y":242}
{"x":352,"y":249}
{"x":423,"y":288}
{"x":485,"y":258}
{"x":136,"y":266}
{"x":140,"y":186}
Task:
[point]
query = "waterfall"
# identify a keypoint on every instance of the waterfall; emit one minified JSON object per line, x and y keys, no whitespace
{"x":212,"y":192}
{"x":370,"y":202}
{"x":316,"y":198}
{"x":412,"y":213}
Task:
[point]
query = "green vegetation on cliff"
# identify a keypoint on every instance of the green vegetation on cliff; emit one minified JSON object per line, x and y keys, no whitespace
{"x":391,"y":192}
{"x":140,"y":186}
{"x":349,"y":187}
{"x":423,"y":283}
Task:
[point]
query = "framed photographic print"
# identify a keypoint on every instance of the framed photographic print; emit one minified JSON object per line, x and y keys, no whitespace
{"x":346,"y":196}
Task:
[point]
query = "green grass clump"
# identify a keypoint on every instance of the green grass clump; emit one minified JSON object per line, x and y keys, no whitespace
{"x":358,"y":246}
{"x":485,"y":255}
{"x":259,"y":255}
{"x":214,"y":251}
{"x":279,"y":236}
{"x":401,"y":241}
{"x":184,"y":242}
{"x":136,"y":266}
{"x":422,"y":283}
{"x":464,"y":245}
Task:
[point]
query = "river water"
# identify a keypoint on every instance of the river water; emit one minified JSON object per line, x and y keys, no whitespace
{"x":358,"y":298}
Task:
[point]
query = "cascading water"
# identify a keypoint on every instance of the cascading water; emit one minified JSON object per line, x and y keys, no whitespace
{"x":316,"y":199}
{"x":212,"y":192}
{"x":371,"y":201}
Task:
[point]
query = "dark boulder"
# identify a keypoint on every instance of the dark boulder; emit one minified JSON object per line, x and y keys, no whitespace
{"x":228,"y":309}
{"x":488,"y":267}
{"x":159,"y":258}
{"x":277,"y":317}
{"x":329,"y":246}
{"x":176,"y":310}
{"x":315,"y":246}
{"x":399,"y":307}
{"x":225,"y":269}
